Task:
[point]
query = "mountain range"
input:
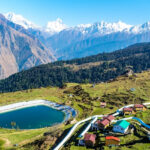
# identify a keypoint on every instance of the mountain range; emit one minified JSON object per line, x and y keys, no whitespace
{"x":57,"y":41}
{"x":84,"y":39}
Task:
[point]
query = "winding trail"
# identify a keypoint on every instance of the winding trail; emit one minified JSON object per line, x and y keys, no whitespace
{"x":66,"y":138}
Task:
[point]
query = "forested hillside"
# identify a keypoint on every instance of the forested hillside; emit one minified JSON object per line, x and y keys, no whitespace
{"x":93,"y":69}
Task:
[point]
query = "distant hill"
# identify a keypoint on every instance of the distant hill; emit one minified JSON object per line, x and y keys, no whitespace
{"x":93,"y":69}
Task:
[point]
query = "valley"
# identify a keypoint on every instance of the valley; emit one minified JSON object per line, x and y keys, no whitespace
{"x":74,"y":75}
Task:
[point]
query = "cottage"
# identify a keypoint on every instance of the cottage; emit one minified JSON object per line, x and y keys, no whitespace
{"x":89,"y":139}
{"x":121,"y":126}
{"x":110,"y":118}
{"x":139,"y":107}
{"x":128,"y":111}
{"x":103,"y":104}
{"x":112,"y":141}
{"x":103,"y":123}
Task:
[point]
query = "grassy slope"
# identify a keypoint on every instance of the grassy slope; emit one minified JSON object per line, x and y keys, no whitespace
{"x":116,"y":93}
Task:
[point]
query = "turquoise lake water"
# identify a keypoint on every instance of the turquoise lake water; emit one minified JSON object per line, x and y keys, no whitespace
{"x":31,"y":117}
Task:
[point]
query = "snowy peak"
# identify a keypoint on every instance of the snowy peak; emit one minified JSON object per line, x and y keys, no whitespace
{"x":52,"y":27}
{"x":145,"y":26}
{"x":55,"y":26}
{"x":84,"y":25}
{"x":108,"y":28}
{"x":20,"y":20}
{"x":95,"y":29}
{"x":102,"y":28}
{"x":141,"y":28}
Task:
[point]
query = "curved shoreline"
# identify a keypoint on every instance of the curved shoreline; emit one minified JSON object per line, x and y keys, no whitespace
{"x":69,"y":111}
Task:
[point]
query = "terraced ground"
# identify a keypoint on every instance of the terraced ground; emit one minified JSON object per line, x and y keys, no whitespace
{"x":85,"y":98}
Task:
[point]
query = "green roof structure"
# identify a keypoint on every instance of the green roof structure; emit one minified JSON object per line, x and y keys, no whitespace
{"x":123,"y":123}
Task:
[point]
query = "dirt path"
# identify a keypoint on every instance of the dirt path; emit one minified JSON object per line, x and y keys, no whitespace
{"x":7,"y":142}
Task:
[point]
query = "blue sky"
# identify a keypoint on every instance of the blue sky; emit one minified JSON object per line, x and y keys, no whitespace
{"x":74,"y":12}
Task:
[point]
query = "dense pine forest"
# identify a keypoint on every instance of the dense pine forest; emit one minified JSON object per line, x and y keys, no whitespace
{"x":93,"y":69}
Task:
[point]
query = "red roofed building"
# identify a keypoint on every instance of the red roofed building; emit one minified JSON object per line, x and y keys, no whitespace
{"x":128,"y":111}
{"x":112,"y":141}
{"x":89,"y":139}
{"x":103,"y":123}
{"x":109,"y":117}
{"x":139,"y":107}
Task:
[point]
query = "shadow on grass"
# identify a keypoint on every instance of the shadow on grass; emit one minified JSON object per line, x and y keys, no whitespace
{"x":142,"y":141}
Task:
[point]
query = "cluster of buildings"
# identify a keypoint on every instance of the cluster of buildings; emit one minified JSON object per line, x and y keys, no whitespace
{"x":103,"y":123}
{"x":134,"y":109}
{"x":121,"y":126}
{"x":90,"y":140}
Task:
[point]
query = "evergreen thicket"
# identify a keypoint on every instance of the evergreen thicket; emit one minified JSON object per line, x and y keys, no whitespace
{"x":108,"y":66}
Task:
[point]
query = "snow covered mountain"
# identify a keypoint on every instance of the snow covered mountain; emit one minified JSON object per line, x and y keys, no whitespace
{"x":103,"y":28}
{"x":20,"y":20}
{"x":19,"y":49}
{"x":96,"y":29}
{"x":51,"y":28}
{"x":91,"y":39}
{"x":55,"y":26}
{"x":84,"y":39}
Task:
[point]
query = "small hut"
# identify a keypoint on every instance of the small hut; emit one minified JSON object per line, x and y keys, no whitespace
{"x":128,"y":111}
{"x":139,"y":107}
{"x":103,"y":104}
{"x":110,"y":118}
{"x":89,"y":139}
{"x":103,"y":123}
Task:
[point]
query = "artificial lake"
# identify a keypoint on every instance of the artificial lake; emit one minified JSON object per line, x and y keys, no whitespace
{"x":31,"y":117}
